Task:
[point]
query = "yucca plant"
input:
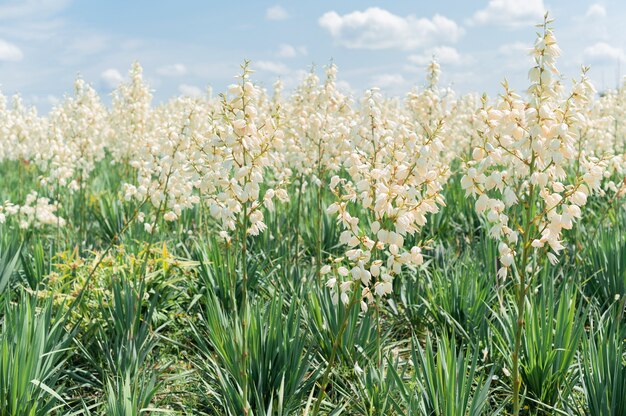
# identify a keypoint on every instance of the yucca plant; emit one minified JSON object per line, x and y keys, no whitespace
{"x":445,"y":382}
{"x":372,"y":389}
{"x":218,"y":273}
{"x":10,"y":252}
{"x":457,"y":221}
{"x":458,"y":297}
{"x":278,"y":256}
{"x":130,"y":397}
{"x":359,"y":338}
{"x":118,"y":345}
{"x":407,"y":312}
{"x":279,"y":360}
{"x":127,"y":339}
{"x":36,"y":264}
{"x":603,"y":368}
{"x":115,"y":219}
{"x":319,"y":231}
{"x":34,"y":347}
{"x":554,"y":327}
{"x":554,"y":324}
{"x":111,"y":218}
{"x":606,"y":256}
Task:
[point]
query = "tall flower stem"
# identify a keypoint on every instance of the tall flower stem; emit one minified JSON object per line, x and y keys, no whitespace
{"x":244,"y":259}
{"x":297,"y":224}
{"x":319,"y":213}
{"x":244,"y":307}
{"x":333,"y":354}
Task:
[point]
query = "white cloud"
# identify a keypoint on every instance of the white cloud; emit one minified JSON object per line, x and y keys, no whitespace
{"x":271,"y":66}
{"x":345,"y":87}
{"x":603,"y":52}
{"x":29,"y":8}
{"x":174,"y":70}
{"x":111,"y":77}
{"x":49,"y":100}
{"x":515,"y":48}
{"x":513,"y":58}
{"x":52,"y":100}
{"x":289,"y":80}
{"x":190,"y":90}
{"x":10,"y":52}
{"x":510,"y":13}
{"x":287,"y":51}
{"x":388,"y":80}
{"x":596,"y":10}
{"x":445,"y":55}
{"x":293,"y":78}
{"x":377,"y":28}
{"x":276,"y":13}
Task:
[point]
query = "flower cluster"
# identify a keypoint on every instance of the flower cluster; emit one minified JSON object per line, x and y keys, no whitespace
{"x":130,"y":116}
{"x":531,"y":161}
{"x":75,"y":139}
{"x":318,"y":125}
{"x":36,"y":212}
{"x":394,"y":181}
{"x":235,"y":156}
{"x":21,"y":131}
{"x":165,"y":175}
{"x":519,"y":168}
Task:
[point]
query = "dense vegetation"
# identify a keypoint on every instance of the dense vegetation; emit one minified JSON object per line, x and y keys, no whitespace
{"x":263,"y":255}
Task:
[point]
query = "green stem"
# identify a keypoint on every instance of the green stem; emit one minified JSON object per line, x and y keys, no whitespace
{"x":378,"y":334}
{"x":521,"y":293}
{"x":58,"y":230}
{"x":520,"y":297}
{"x":333,"y":353}
{"x":244,"y":265}
{"x":319,"y":212}
{"x":297,"y":225}
{"x":20,"y":175}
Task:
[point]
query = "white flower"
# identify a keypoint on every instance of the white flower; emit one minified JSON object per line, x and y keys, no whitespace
{"x":170,"y":216}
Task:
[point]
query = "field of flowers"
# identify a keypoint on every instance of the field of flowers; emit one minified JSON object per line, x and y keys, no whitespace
{"x":312,"y":253}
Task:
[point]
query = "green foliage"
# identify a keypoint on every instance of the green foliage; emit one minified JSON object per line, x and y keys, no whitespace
{"x":554,"y":325}
{"x":158,"y":321}
{"x":373,"y":389}
{"x":324,"y":320}
{"x":129,"y":396}
{"x":604,"y":367}
{"x":120,"y":347}
{"x":9,"y":261}
{"x":606,"y":269}
{"x":458,"y":297}
{"x":445,"y":382}
{"x":34,"y":349}
{"x":279,"y":360}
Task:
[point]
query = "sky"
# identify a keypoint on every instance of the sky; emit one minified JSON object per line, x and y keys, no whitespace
{"x":186,"y":46}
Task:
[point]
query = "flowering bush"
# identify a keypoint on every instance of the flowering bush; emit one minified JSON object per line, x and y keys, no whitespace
{"x":396,"y":177}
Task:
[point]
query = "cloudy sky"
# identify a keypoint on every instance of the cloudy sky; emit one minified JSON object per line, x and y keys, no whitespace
{"x":185,"y":46}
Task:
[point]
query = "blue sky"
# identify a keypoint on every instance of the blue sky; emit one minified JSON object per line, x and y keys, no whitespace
{"x":184,"y":46}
